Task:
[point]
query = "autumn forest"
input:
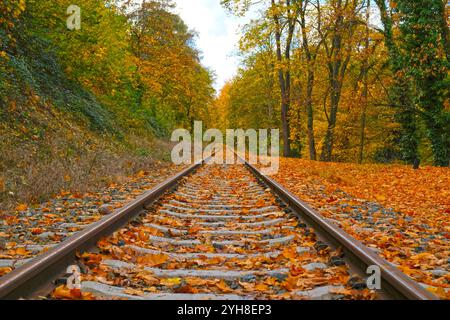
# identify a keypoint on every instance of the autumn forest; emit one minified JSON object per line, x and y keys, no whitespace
{"x":344,"y":81}
{"x":93,"y":91}
{"x":352,"y":81}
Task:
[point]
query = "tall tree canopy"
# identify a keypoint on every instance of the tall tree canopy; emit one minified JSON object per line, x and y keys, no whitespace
{"x":357,"y":80}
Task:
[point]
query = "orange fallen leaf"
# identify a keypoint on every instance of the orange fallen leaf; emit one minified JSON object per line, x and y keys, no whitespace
{"x":21,"y":251}
{"x":290,"y":252}
{"x":271,"y":281}
{"x":152,"y":260}
{"x":4,"y":271}
{"x":186,"y":289}
{"x":134,"y":292}
{"x":423,"y":256}
{"x":205,"y":248}
{"x":92,"y":258}
{"x":260,"y":203}
{"x":63,"y":292}
{"x":21,"y":207}
{"x":143,"y":236}
{"x":37,"y":231}
{"x":296,"y":270}
{"x":148,"y":278}
{"x":222,"y":285}
{"x":194,"y":230}
{"x":262,"y":287}
{"x":196,"y":281}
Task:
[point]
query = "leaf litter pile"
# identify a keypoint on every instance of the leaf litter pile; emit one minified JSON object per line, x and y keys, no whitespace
{"x":219,"y":235}
{"x":403,"y":214}
{"x":31,"y":230}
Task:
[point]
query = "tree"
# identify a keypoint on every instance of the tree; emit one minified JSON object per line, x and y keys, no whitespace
{"x":424,"y":51}
{"x":172,"y":86}
{"x":365,"y":76}
{"x":337,"y":36}
{"x":311,"y":51}
{"x":401,"y":91}
{"x":280,"y":18}
{"x":10,"y":11}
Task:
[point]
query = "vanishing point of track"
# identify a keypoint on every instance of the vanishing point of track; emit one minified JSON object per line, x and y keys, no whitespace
{"x":213,"y":232}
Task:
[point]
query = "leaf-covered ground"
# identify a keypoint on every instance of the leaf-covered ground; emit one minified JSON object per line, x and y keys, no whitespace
{"x":31,"y":230}
{"x":403,"y":214}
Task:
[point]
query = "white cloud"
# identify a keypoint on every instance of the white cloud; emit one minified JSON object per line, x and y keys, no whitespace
{"x":218,"y":35}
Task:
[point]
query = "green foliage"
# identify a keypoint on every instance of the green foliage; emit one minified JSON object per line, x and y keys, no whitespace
{"x":426,"y":63}
{"x":128,"y":68}
{"x":35,"y":69}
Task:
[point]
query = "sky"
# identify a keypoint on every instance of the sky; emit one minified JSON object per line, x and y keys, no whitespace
{"x":218,"y":35}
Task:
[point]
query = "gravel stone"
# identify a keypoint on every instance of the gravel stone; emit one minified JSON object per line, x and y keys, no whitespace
{"x":106,"y":209}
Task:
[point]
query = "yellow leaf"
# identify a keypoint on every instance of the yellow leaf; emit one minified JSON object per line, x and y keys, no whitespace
{"x":171,"y":282}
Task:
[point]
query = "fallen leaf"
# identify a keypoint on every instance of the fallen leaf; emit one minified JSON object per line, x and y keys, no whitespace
{"x":290,"y":252}
{"x":171,"y":282}
{"x":423,"y":256}
{"x":222,"y":285}
{"x":152,"y":260}
{"x":21,"y":207}
{"x":262,"y":287}
{"x":4,"y":271}
{"x":63,"y":292}
{"x":37,"y":231}
{"x":196,"y":281}
{"x":148,"y":278}
{"x":134,"y":292}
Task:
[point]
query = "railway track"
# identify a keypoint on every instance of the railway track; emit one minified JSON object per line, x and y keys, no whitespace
{"x":212,"y":232}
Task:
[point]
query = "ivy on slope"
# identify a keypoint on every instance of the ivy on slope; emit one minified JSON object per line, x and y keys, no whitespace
{"x":34,"y":68}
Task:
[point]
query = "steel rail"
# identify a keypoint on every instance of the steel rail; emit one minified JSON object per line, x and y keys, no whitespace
{"x":34,"y":278}
{"x":395,"y":284}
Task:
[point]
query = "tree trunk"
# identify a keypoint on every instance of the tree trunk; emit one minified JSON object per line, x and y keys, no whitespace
{"x":444,"y":27}
{"x":310,"y":58}
{"x":310,"y":111}
{"x":337,"y":67}
{"x":400,"y":97}
{"x":362,"y":136}
{"x":335,"y":70}
{"x":366,"y":89}
{"x":284,"y":78}
{"x":327,"y":149}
